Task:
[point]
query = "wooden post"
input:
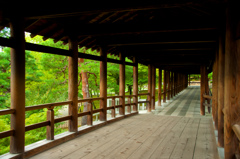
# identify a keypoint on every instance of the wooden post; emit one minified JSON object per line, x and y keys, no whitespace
{"x":203,"y":74}
{"x":168,"y":85}
{"x":159,"y":87}
{"x":17,"y":142}
{"x":135,"y":83}
{"x":73,"y":84}
{"x":129,"y":107}
{"x":122,"y":84}
{"x":103,"y":84}
{"x":90,"y":116}
{"x":175,"y":83}
{"x":172,"y":82}
{"x":113,"y":110}
{"x":215,"y":93}
{"x":50,"y":128}
{"x":153,"y":86}
{"x":189,"y":80}
{"x":221,"y":64}
{"x":207,"y":91}
{"x":149,"y":88}
{"x":164,"y":86}
{"x":231,"y":78}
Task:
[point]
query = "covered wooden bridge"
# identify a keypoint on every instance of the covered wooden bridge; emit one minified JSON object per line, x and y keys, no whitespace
{"x":181,"y":37}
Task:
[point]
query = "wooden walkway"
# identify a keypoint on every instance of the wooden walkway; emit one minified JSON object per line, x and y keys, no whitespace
{"x":176,"y":131}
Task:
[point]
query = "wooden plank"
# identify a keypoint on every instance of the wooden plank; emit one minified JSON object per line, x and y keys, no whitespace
{"x":186,"y":143}
{"x":122,"y":84}
{"x":142,"y":94}
{"x":83,"y":113}
{"x":83,"y":146}
{"x":66,"y":137}
{"x":49,"y":105}
{"x":17,"y":85}
{"x":69,"y":117}
{"x":6,"y":133}
{"x":7,"y":111}
{"x":103,"y":84}
{"x":47,"y":49}
{"x":207,"y":96}
{"x":205,"y":141}
{"x":147,"y":149}
{"x":73,"y":84}
{"x":38,"y":125}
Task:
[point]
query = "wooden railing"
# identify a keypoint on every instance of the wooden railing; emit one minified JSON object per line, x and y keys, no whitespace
{"x":236,"y":130}
{"x":207,"y":98}
{"x":50,"y":114}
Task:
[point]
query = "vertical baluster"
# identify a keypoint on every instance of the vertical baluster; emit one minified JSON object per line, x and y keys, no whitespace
{"x":50,"y":128}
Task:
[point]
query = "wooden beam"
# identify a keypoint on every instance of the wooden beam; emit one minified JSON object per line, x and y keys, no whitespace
{"x":135,"y":83}
{"x":122,"y":84}
{"x":161,"y":43}
{"x":159,"y":87}
{"x":17,"y":141}
{"x":103,"y":84}
{"x":97,"y":9}
{"x":73,"y":84}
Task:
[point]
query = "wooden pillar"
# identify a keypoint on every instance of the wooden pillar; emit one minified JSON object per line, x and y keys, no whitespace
{"x":215,"y":92}
{"x":221,"y":65}
{"x":207,"y":91}
{"x":149,"y":108}
{"x":168,"y":85}
{"x":73,"y":84}
{"x":18,"y":85}
{"x":103,"y":84}
{"x":164,"y":86}
{"x":153,"y":86}
{"x":174,"y":78}
{"x":135,"y":83}
{"x":159,"y":87}
{"x":203,"y":81}
{"x":172,"y":83}
{"x":189,"y":80}
{"x":231,"y":78}
{"x":113,"y":112}
{"x":122,"y":84}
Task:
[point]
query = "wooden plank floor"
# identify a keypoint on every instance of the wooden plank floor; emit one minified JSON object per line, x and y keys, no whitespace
{"x":175,"y":131}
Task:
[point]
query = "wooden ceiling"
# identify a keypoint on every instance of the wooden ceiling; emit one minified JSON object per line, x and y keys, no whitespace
{"x":179,"y":35}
